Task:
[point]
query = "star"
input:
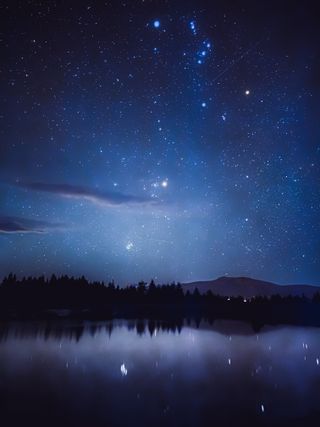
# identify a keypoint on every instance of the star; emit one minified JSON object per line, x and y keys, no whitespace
{"x":156,"y":24}
{"x":164,"y":183}
{"x":203,"y":104}
{"x":247,"y":92}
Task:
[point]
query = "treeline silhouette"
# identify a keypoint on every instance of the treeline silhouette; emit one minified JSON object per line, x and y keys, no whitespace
{"x":42,"y":298}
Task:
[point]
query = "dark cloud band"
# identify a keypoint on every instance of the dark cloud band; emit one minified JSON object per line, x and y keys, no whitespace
{"x":16,"y":225}
{"x":93,"y":195}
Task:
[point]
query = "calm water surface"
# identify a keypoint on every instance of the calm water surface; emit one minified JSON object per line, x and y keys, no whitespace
{"x":124,"y":373}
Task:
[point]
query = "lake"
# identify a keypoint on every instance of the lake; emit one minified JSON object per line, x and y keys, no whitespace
{"x":158,"y":374}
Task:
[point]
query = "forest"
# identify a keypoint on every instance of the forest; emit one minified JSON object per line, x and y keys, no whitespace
{"x":69,"y":297}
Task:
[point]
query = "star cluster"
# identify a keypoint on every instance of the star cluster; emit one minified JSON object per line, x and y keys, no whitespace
{"x":174,"y":140}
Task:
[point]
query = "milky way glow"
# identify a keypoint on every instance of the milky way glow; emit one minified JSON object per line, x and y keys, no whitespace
{"x":160,"y":139}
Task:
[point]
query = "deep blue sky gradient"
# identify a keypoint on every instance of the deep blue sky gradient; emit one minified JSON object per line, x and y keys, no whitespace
{"x":180,"y":151}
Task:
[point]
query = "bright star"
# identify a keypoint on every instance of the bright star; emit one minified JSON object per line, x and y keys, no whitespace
{"x":156,"y":24}
{"x":247,"y":92}
{"x":164,"y":183}
{"x":203,"y":104}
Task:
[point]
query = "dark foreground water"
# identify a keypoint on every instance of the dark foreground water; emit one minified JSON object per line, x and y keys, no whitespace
{"x":88,"y":374}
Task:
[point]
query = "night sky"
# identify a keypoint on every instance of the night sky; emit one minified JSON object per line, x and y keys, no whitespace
{"x":178,"y":140}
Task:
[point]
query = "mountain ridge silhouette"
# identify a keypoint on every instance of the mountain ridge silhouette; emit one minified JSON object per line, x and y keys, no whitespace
{"x":248,"y":287}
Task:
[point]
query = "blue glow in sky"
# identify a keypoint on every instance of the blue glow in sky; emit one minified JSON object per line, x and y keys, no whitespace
{"x":126,"y":153}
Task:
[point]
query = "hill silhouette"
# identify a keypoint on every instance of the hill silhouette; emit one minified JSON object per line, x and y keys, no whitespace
{"x":249,"y":288}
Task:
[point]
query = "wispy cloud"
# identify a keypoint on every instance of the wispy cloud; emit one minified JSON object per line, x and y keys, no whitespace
{"x":107,"y":198}
{"x":16,"y":225}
